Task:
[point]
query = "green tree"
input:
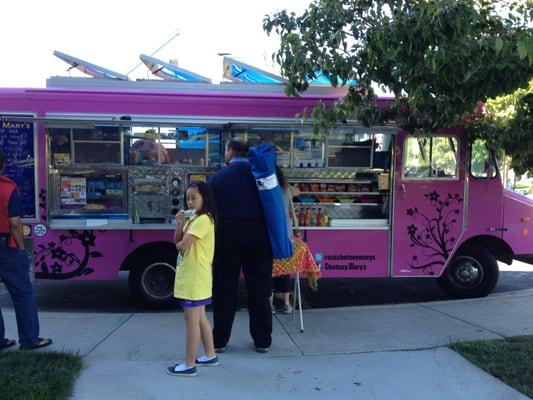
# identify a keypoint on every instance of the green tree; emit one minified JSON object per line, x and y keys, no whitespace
{"x":506,"y":122}
{"x":439,"y":58}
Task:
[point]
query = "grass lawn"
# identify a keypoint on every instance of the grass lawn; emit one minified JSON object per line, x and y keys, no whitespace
{"x":510,"y":360}
{"x":28,"y":375}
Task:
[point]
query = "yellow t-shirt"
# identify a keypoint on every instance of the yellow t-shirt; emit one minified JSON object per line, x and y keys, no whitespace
{"x":194,"y":278}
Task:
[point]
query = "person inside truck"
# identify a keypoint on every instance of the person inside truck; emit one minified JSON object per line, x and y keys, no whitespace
{"x":145,"y":151}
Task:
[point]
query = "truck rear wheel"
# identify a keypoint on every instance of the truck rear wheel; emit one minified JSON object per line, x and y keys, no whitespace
{"x":473,"y":272}
{"x":152,"y":281}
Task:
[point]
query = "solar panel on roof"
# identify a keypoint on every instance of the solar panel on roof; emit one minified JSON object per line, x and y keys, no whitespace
{"x":171,"y":72}
{"x":238,"y":71}
{"x":90,"y":69}
{"x":321,"y":79}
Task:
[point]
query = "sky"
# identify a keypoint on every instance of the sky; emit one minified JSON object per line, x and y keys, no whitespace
{"x":113,"y":33}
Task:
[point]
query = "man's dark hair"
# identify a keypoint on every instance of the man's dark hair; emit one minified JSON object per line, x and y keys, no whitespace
{"x":282,"y":179}
{"x":239,"y":146}
{"x":2,"y":159}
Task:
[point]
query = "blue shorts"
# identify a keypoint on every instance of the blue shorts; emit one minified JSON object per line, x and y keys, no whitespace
{"x":194,"y":303}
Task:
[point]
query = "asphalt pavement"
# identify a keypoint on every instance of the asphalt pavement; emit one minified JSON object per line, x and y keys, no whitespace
{"x":114,"y":296}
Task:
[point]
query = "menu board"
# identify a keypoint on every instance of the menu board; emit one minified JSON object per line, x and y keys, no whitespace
{"x":73,"y":191}
{"x":17,"y":140}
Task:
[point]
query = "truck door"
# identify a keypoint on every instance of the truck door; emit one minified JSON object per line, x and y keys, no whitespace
{"x":428,"y":202}
{"x":485,"y":193}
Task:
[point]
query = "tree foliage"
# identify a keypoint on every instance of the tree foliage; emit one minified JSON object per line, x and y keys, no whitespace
{"x":439,"y":58}
{"x":506,"y":122}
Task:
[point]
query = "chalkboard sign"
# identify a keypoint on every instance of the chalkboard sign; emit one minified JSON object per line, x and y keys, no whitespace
{"x":17,"y":140}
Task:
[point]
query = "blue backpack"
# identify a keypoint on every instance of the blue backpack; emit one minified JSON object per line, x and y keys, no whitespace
{"x":263,"y":165}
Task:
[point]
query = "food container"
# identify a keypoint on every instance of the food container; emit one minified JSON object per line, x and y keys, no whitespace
{"x":324,"y":199}
{"x":352,"y":188}
{"x":383,"y":181}
{"x":340,"y":188}
{"x":314,"y":187}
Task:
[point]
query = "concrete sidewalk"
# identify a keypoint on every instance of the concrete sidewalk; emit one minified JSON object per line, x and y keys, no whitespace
{"x":371,"y":352}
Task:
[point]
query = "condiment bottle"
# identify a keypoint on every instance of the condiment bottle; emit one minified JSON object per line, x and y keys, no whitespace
{"x":325,"y":218}
{"x":308,"y":217}
{"x":314,"y":219}
{"x":301,"y":217}
{"x":319,"y":218}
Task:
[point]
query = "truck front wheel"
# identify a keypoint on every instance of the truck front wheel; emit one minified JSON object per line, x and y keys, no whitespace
{"x":152,"y":281}
{"x":473,"y":272}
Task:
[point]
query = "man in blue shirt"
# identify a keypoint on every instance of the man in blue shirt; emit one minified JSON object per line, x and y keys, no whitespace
{"x":14,"y":268}
{"x":241,"y":241}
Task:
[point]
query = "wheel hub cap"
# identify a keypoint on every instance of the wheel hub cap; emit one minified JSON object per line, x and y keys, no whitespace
{"x":468,"y":273}
{"x":157,"y":280}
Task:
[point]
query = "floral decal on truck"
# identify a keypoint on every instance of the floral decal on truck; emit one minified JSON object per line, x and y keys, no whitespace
{"x":68,"y":258}
{"x":42,"y":203}
{"x":434,"y":233}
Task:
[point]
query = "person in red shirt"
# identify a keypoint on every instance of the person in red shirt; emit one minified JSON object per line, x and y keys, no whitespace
{"x":15,"y":266}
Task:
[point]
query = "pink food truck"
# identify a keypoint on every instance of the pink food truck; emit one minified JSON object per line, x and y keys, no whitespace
{"x":102,"y":166}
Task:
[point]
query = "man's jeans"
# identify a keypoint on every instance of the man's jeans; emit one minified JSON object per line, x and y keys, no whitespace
{"x":14,"y":271}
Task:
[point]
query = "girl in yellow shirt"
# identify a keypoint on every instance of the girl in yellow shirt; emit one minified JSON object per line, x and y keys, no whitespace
{"x":195,"y":240}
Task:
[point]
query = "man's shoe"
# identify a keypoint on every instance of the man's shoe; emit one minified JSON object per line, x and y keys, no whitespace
{"x":262,"y":349}
{"x":206,"y":361}
{"x":6,"y":343}
{"x":219,"y":350}
{"x":39,"y":344}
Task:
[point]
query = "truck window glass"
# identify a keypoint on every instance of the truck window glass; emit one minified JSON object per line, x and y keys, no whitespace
{"x":100,"y":144}
{"x":145,"y":147}
{"x":481,"y":160}
{"x":350,"y":148}
{"x":430,"y":157}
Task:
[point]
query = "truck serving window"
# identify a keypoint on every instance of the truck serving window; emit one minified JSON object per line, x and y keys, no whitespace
{"x":76,"y":145}
{"x":430,"y":157}
{"x":481,"y":160}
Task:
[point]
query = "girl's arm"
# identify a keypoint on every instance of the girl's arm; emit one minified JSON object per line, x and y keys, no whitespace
{"x":185,"y":244}
{"x":178,"y":235}
{"x":180,"y":223}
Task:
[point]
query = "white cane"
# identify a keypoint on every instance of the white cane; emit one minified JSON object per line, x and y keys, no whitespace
{"x":297,"y":290}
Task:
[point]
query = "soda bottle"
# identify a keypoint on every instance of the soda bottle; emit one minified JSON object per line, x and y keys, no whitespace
{"x":325,"y":218}
{"x":308,"y":217}
{"x":301,"y":217}
{"x":314,"y":219}
{"x":319,"y":218}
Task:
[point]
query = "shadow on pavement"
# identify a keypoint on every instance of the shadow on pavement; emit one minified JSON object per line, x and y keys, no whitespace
{"x":113,"y":296}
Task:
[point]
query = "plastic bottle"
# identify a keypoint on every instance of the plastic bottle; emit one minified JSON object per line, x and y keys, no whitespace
{"x":314,"y":218}
{"x":308,"y":217}
{"x":301,"y":217}
{"x":325,"y":218}
{"x":319,"y":218}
